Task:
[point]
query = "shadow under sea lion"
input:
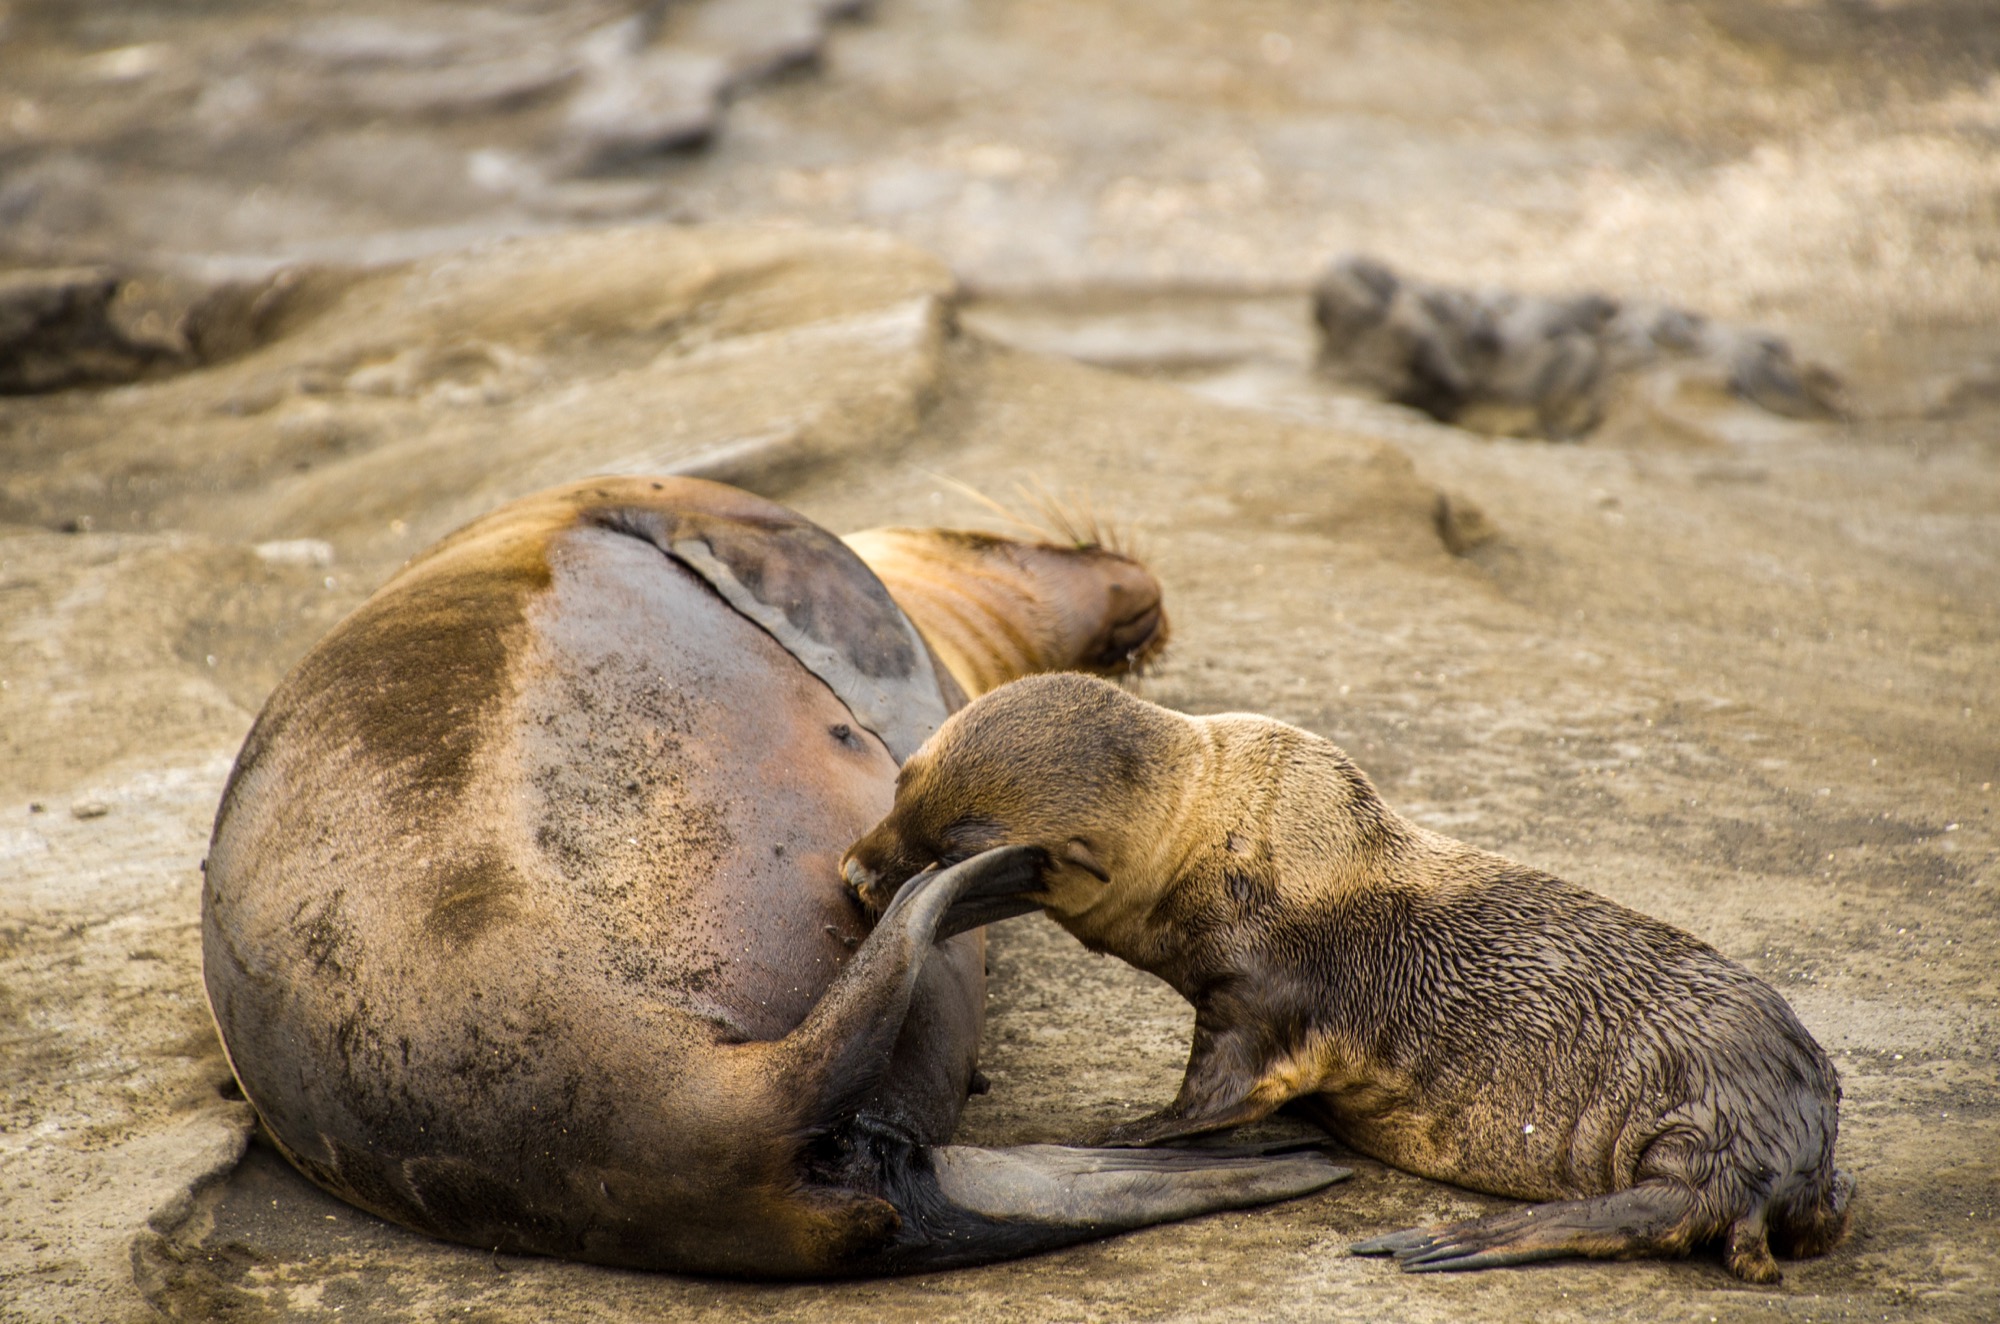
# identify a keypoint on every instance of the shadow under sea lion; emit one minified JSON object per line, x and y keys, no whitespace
{"x":522,"y":923}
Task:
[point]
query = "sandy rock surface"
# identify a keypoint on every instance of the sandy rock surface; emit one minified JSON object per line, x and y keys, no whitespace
{"x":1736,"y":670}
{"x":231,"y":132}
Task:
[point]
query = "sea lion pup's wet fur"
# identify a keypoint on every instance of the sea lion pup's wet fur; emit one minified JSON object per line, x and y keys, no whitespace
{"x":1435,"y":1006}
{"x":523,"y":927}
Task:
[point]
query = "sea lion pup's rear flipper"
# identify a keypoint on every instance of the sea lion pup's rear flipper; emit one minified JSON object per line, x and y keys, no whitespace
{"x":1652,"y":1218}
{"x":955,"y":1205}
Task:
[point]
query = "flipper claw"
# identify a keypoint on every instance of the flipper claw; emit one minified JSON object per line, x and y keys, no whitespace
{"x":1408,"y":1242}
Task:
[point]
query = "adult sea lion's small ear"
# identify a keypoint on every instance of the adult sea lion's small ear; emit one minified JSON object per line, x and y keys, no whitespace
{"x":1079,"y":854}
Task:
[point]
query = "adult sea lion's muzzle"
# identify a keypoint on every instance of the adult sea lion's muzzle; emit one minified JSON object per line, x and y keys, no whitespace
{"x":1132,"y":642}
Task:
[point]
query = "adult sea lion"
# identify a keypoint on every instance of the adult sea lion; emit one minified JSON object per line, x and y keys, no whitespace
{"x":1435,"y":1006}
{"x":522,"y":924}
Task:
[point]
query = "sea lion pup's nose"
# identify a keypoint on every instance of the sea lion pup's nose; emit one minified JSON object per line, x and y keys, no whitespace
{"x":864,"y":881}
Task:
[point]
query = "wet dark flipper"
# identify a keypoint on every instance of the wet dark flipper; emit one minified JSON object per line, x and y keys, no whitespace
{"x":1170,"y":1127}
{"x":996,"y":893}
{"x":963,"y":1206}
{"x":1812,"y":1221}
{"x":1395,"y":1243}
{"x":1647,"y":1219}
{"x":1232,"y":1079}
{"x":1747,"y":1249}
{"x":1224,"y":1146}
{"x":802,"y":586}
{"x":837,"y":1055}
{"x":978,"y":914}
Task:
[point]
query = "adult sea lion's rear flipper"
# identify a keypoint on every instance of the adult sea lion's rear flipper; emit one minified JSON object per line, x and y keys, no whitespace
{"x":962,"y":1206}
{"x":956,"y":1205}
{"x":1112,"y":1189}
{"x":837,"y":1055}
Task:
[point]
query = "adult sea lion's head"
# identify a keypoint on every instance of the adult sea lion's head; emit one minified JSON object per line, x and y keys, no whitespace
{"x":997,"y":608}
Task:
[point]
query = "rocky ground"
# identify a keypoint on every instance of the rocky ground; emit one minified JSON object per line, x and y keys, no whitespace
{"x":1737,"y":670}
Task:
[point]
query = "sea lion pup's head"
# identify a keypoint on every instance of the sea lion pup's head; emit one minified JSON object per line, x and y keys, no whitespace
{"x":996,"y":608}
{"x":1068,"y":763}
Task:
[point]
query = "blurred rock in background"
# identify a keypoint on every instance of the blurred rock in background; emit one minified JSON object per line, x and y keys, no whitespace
{"x":1504,"y":363}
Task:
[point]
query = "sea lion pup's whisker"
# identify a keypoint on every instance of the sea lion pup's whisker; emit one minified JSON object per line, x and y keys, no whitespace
{"x":1433,"y":1005}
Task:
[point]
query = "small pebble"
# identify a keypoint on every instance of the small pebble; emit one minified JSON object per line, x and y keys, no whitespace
{"x":90,"y":809}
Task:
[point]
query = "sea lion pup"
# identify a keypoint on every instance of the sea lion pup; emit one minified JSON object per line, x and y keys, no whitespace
{"x":523,"y":925}
{"x":1435,"y":1006}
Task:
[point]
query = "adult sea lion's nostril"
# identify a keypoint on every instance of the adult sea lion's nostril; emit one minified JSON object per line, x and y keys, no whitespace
{"x":1131,"y":639}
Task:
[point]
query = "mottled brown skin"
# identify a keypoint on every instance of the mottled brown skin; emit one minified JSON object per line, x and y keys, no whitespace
{"x":522,"y":924}
{"x":1435,"y":1006}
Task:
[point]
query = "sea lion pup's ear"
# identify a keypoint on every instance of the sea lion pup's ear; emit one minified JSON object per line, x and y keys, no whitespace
{"x":1078,"y":852}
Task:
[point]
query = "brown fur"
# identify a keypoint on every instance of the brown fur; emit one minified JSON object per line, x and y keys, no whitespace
{"x":522,"y":924}
{"x":1435,"y":1006}
{"x":994,"y":608}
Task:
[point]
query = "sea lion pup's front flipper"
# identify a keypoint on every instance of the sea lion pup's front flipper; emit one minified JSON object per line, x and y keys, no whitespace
{"x":1652,"y":1218}
{"x":956,"y":1205}
{"x":1228,"y":1083}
